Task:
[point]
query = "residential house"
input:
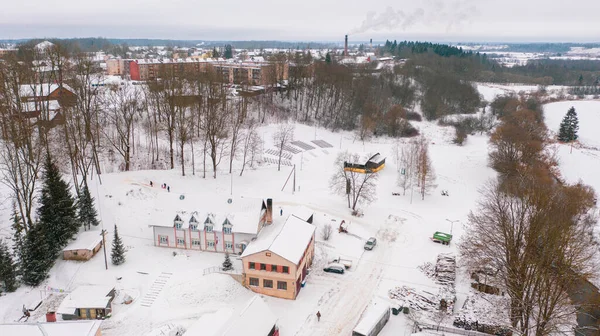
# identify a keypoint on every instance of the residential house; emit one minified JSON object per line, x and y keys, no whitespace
{"x":44,"y":102}
{"x":87,"y":302}
{"x":61,"y":328}
{"x":224,"y":226}
{"x":252,"y":319}
{"x":84,"y":247}
{"x":276,"y":263}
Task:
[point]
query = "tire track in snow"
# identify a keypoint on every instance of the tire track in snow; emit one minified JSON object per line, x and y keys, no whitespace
{"x":341,"y":309}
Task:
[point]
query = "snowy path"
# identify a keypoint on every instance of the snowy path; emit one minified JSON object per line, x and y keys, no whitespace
{"x":341,"y":309}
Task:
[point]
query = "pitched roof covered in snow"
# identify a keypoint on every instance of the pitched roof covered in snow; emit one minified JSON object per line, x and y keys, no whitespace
{"x":243,"y":214}
{"x":85,"y":241}
{"x":41,"y":90}
{"x":86,"y":297}
{"x":303,"y":213}
{"x":60,"y":328}
{"x":288,"y":240}
{"x":252,"y":319}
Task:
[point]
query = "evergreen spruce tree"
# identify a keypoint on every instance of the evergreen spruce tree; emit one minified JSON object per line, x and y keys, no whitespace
{"x":87,"y":213}
{"x":37,"y":256}
{"x":8,"y":270}
{"x":328,"y":58}
{"x":574,"y":123}
{"x":227,"y":266}
{"x":228,"y":52}
{"x":57,"y":211}
{"x":569,"y":127}
{"x":118,"y":250}
{"x":18,"y":237}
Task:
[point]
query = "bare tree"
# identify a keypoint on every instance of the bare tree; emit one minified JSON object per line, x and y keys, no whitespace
{"x":407,"y":165}
{"x":23,"y":148}
{"x":238,"y":115}
{"x":250,"y":143}
{"x":326,"y":231}
{"x":124,"y":105}
{"x":540,"y":241}
{"x":424,"y":170}
{"x":359,"y":188}
{"x":282,"y":138}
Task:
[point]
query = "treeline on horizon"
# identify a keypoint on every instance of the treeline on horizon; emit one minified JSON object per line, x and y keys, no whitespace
{"x":455,"y":62}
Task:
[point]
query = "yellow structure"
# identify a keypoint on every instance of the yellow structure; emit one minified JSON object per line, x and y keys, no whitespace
{"x":374,"y":164}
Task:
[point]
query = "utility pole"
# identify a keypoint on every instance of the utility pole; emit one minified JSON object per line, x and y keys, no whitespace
{"x":104,"y":247}
{"x":294,"y":185}
{"x":451,"y":224}
{"x":301,"y":160}
{"x":231,"y":187}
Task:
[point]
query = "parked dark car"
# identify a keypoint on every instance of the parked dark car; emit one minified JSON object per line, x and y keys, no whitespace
{"x":370,"y":243}
{"x":334,"y":268}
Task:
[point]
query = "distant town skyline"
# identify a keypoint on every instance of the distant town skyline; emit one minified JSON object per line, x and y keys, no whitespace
{"x":311,"y":20}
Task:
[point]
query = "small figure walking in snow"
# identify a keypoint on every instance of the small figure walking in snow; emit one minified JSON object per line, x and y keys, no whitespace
{"x":280,"y":212}
{"x":151,"y":184}
{"x":168,"y":189}
{"x":318,"y":316}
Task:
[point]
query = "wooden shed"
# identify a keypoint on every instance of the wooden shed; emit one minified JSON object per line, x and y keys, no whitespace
{"x":87,"y":302}
{"x":84,"y":247}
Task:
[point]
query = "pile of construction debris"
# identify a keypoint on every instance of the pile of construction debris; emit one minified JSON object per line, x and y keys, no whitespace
{"x":422,"y":300}
{"x":445,"y":269}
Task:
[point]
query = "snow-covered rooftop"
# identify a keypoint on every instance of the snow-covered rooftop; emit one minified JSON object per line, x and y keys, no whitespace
{"x":85,"y":297}
{"x":303,"y":212}
{"x":51,"y":105}
{"x":252,"y":319}
{"x":372,"y":314}
{"x":288,"y":240}
{"x":85,"y":241}
{"x":40,"y":90}
{"x":243,"y":213}
{"x":60,"y":328}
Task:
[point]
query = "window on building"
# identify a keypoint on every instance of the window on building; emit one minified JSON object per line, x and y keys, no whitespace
{"x":227,"y":229}
{"x":286,"y":269}
{"x":254,"y":282}
{"x":263,"y":267}
{"x":273,"y":268}
{"x":208,"y":228}
{"x":210,"y":243}
{"x":163,"y":239}
{"x":74,"y":252}
{"x":178,"y":225}
{"x":267,"y":283}
{"x":282,"y":285}
{"x":251,"y":265}
{"x":229,"y":245}
{"x":196,"y":242}
{"x":180,"y":241}
{"x":194,"y":227}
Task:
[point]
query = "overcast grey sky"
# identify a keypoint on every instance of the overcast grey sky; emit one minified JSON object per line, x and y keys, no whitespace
{"x":315,"y":20}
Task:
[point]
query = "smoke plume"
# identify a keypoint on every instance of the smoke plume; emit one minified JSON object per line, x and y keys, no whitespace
{"x":452,"y":14}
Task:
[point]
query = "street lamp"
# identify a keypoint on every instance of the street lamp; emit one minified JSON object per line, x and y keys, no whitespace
{"x":451,"y":224}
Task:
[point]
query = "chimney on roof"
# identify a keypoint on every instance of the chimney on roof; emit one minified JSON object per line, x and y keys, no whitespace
{"x":346,"y":45}
{"x":269,"y":214}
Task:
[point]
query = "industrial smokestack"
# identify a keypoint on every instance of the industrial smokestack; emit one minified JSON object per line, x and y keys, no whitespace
{"x":371,"y":44}
{"x":346,"y":46}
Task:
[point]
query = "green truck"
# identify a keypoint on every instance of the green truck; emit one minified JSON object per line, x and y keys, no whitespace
{"x":442,"y":238}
